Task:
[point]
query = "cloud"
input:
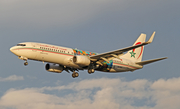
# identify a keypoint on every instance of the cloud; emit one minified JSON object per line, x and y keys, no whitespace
{"x":167,"y":93}
{"x":103,"y":93}
{"x":12,"y":78}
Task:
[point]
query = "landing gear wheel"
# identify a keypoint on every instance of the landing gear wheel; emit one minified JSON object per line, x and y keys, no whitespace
{"x":26,"y":63}
{"x":75,"y":74}
{"x":91,"y":71}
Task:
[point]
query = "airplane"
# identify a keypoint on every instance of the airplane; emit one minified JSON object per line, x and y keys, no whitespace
{"x":60,"y":58}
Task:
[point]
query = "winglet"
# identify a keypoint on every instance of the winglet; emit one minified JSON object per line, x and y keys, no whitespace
{"x":151,"y":38}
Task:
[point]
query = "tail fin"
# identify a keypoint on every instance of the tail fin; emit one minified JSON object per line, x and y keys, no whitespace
{"x":136,"y":54}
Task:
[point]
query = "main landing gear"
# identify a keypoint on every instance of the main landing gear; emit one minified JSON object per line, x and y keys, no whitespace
{"x":91,"y":71}
{"x":91,"y":68}
{"x":75,"y":74}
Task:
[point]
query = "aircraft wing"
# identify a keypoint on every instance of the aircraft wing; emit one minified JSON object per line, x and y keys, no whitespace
{"x":115,"y":53}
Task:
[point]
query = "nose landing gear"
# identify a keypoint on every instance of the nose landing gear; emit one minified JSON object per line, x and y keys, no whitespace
{"x":25,"y":63}
{"x":25,"y":59}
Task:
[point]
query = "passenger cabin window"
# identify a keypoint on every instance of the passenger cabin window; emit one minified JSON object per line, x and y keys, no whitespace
{"x":21,"y":44}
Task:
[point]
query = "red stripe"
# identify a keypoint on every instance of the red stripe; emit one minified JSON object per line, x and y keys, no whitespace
{"x":141,"y":49}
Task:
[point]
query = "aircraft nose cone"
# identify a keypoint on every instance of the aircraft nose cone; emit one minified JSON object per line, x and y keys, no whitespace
{"x":12,"y":49}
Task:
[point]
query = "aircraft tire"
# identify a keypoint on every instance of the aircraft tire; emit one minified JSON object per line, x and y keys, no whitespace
{"x":76,"y":74}
{"x":26,"y":63}
{"x":92,"y":70}
{"x":73,"y":75}
{"x":89,"y":71}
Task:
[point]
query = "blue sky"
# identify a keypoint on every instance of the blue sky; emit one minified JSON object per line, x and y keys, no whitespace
{"x":97,"y":26}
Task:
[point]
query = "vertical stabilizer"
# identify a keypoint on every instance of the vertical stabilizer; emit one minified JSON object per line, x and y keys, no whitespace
{"x":136,"y":54}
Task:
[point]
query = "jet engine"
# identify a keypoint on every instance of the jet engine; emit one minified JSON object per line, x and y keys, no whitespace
{"x":54,"y":68}
{"x":81,"y":60}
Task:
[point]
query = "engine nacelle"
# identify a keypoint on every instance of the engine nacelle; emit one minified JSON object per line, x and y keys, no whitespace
{"x":81,"y":60}
{"x":54,"y":68}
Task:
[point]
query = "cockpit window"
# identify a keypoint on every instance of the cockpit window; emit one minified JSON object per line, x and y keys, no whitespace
{"x":21,"y":44}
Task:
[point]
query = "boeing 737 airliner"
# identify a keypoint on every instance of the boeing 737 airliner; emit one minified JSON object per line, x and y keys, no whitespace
{"x":60,"y":58}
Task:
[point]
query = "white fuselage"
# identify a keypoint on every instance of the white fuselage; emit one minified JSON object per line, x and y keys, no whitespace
{"x":64,"y":56}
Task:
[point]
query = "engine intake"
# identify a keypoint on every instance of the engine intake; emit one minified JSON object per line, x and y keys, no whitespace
{"x":81,"y":60}
{"x":54,"y":68}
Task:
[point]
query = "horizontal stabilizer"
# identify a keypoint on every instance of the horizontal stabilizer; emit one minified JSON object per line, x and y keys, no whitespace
{"x":150,"y":61}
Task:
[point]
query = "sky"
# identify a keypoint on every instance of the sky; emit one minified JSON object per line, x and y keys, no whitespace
{"x":97,"y":26}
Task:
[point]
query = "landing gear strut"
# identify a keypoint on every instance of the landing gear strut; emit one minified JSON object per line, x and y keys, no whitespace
{"x":91,"y":68}
{"x":75,"y":74}
{"x":25,"y":59}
